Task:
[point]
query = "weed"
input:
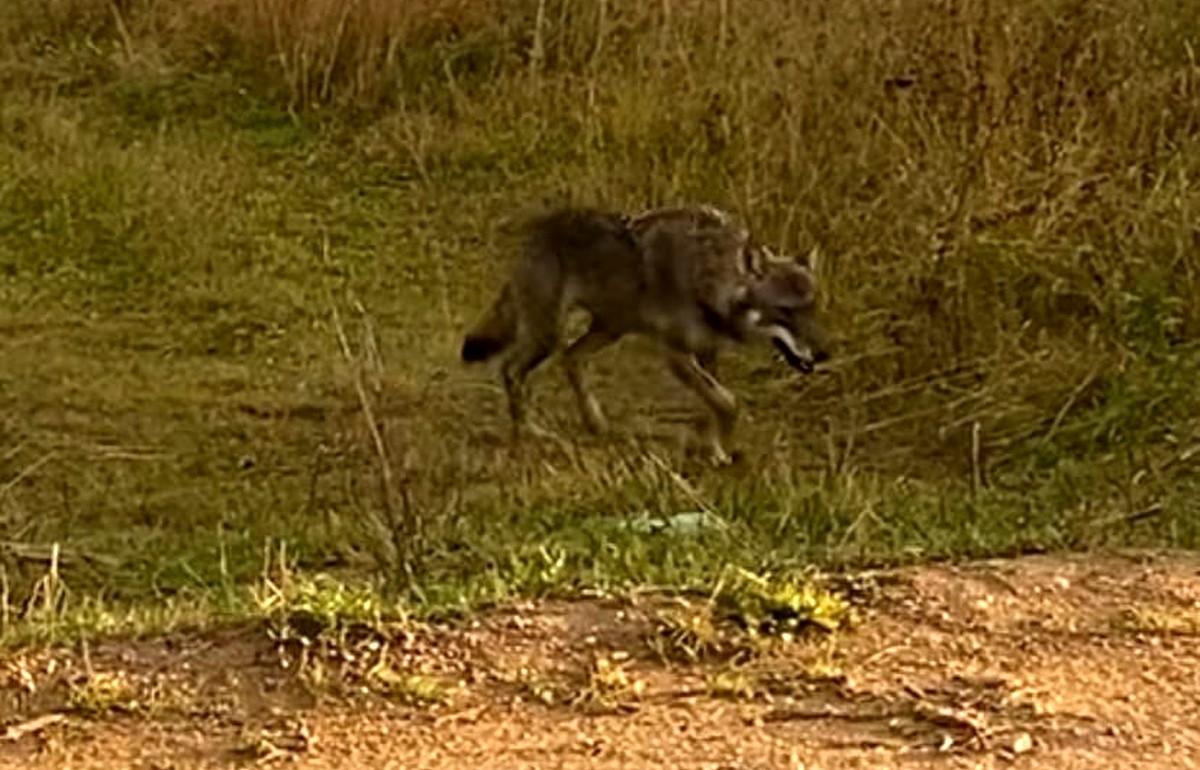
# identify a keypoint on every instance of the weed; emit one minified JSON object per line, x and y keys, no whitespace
{"x":786,"y":608}
{"x":1185,"y":621}
{"x":744,"y":614}
{"x":689,"y":633}
{"x":410,"y":689}
{"x":312,"y":606}
{"x":608,"y":684}
{"x":538,"y":688}
{"x":730,"y":683}
{"x":102,"y":693}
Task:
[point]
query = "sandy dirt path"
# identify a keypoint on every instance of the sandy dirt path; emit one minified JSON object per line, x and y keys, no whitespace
{"x":1041,"y":662}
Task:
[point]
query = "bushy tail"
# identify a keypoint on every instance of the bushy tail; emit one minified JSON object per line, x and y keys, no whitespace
{"x":494,"y":332}
{"x":539,"y":273}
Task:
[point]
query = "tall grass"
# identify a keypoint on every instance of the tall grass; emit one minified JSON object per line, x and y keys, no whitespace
{"x":1001,"y":193}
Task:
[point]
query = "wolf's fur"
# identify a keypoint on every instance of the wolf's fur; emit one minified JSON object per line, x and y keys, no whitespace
{"x":688,"y":276}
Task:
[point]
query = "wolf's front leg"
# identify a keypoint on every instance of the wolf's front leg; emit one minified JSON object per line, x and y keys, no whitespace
{"x":717,"y":431}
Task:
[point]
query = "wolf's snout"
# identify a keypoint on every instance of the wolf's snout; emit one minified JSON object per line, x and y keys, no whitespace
{"x":801,"y":360}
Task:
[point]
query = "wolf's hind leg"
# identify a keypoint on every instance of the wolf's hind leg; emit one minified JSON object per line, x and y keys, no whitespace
{"x":526,"y":356}
{"x":593,"y":340}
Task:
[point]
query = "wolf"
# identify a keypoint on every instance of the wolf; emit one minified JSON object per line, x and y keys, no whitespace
{"x":690,"y":277}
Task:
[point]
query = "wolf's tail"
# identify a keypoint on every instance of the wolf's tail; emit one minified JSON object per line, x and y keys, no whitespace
{"x":494,"y":332}
{"x":535,"y":290}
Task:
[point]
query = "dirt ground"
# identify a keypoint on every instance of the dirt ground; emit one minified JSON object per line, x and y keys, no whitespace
{"x":1040,"y":662}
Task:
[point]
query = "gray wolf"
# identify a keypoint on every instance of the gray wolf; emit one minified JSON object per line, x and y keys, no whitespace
{"x":688,"y":276}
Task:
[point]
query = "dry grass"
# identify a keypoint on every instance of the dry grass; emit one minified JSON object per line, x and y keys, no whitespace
{"x":1000,"y":191}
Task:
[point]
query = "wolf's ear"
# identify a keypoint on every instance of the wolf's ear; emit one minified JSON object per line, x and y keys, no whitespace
{"x":809,"y":261}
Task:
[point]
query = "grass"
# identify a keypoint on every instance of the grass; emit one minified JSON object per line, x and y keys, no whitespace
{"x":229,"y":229}
{"x":745,"y":615}
{"x":1156,"y":620}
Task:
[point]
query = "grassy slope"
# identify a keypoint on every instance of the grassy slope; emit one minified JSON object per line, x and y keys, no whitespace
{"x":1010,"y":243}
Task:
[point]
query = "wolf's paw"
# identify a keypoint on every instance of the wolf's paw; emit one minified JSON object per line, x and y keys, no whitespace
{"x":712,"y":455}
{"x":727,"y":460}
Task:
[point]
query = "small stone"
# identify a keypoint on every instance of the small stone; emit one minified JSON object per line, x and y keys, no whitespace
{"x":1022,"y":744}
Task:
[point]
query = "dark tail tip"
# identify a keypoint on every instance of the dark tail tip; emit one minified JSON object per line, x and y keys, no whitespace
{"x":475,"y":349}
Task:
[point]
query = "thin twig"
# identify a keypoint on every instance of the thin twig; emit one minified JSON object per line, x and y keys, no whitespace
{"x":679,"y":481}
{"x":18,"y":731}
{"x":387,"y":487}
{"x":46,"y":554}
{"x":1129,"y":518}
{"x":1070,"y":403}
{"x":976,"y":465}
{"x":26,"y":472}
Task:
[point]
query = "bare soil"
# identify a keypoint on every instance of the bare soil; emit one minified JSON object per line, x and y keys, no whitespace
{"x":1039,"y":662}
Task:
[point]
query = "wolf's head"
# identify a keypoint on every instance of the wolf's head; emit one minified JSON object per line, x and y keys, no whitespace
{"x":780,"y":305}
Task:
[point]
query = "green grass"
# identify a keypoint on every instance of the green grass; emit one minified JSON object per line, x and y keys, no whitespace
{"x":1010,"y":243}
